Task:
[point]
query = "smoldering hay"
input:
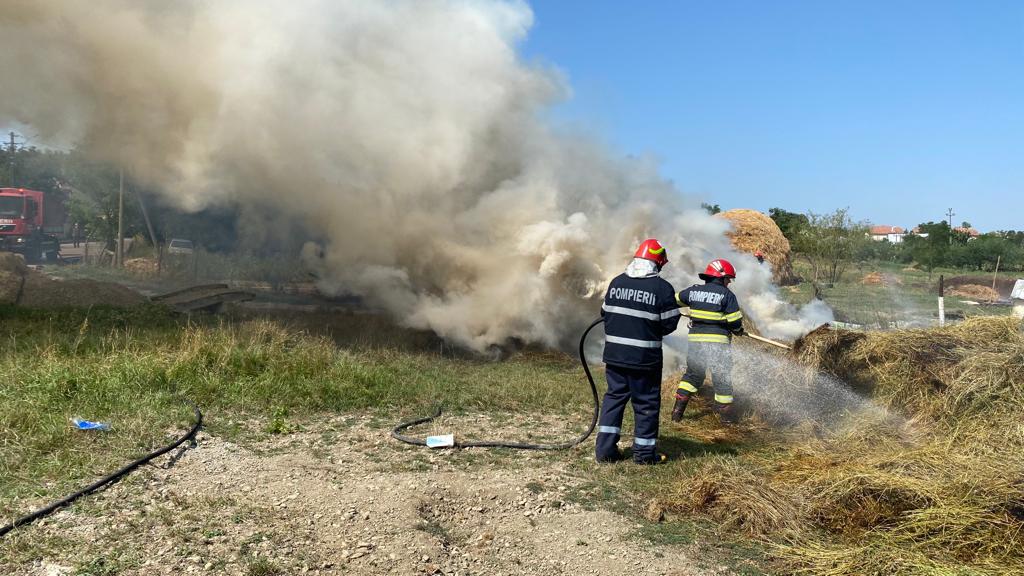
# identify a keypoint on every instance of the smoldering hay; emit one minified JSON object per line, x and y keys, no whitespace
{"x":407,"y":136}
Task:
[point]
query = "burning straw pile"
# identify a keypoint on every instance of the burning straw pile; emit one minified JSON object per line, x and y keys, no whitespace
{"x":753,"y":232}
{"x":928,"y":480}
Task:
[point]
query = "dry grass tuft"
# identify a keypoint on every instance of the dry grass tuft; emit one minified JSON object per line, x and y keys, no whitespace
{"x":735,"y":496}
{"x":927,"y":480}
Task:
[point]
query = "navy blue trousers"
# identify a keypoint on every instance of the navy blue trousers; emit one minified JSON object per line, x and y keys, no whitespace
{"x":643,"y":388}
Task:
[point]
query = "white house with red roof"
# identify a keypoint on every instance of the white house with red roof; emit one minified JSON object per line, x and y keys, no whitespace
{"x":893,"y":234}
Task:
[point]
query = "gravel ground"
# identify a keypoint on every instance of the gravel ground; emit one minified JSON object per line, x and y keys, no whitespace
{"x":342,"y":499}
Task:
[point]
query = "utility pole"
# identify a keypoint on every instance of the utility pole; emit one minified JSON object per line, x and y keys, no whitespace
{"x":12,"y":147}
{"x":119,"y":254}
{"x":145,"y":215}
{"x":950,"y":214}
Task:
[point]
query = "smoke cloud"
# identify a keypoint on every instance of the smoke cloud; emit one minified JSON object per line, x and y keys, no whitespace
{"x":407,"y":135}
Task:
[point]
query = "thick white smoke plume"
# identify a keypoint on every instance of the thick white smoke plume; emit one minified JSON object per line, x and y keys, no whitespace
{"x":407,"y":134}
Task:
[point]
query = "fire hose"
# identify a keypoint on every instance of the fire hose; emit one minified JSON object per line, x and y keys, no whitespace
{"x":397,"y":431}
{"x":111,"y":477}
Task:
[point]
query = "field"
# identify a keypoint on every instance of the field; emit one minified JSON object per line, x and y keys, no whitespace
{"x":893,"y":295}
{"x":280,"y":400}
{"x":890,"y":452}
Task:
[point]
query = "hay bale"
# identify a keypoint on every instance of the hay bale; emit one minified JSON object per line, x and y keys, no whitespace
{"x":142,"y":266}
{"x":828,"y":350}
{"x":926,"y":478}
{"x":12,"y":276}
{"x":753,"y":232}
{"x":975,"y":292}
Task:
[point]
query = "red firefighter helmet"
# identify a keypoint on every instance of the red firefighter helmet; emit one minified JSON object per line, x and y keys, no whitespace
{"x":718,"y":269}
{"x":652,"y":250}
{"x":758,"y":254}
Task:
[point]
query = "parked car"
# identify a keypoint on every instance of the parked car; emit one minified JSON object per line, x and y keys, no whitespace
{"x":179,"y":246}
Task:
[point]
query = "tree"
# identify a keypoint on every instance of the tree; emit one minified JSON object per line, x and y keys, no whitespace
{"x":931,"y":246}
{"x":1014,"y":236}
{"x":93,"y":201}
{"x":711,"y":208}
{"x":34,"y":168}
{"x":829,"y":243}
{"x":880,"y":250}
{"x":790,"y":223}
{"x":985,"y":251}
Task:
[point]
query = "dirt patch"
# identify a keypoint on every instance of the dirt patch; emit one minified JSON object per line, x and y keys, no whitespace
{"x":12,"y":275}
{"x":30,"y":288}
{"x":41,"y":291}
{"x":347,"y":499}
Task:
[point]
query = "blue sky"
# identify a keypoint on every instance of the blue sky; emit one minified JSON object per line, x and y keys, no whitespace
{"x":897,"y":109}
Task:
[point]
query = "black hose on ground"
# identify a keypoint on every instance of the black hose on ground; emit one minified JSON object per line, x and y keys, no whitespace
{"x":397,"y":431}
{"x":110,"y":478}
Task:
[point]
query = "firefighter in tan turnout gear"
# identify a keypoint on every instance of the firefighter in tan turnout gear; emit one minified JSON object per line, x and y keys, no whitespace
{"x":715,"y":318}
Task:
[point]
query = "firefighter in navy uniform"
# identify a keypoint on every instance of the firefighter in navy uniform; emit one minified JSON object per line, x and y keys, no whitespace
{"x":714,"y":318}
{"x":639,"y":310}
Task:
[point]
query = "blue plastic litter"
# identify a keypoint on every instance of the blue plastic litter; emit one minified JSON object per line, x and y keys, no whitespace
{"x":87,"y":425}
{"x":441,"y":441}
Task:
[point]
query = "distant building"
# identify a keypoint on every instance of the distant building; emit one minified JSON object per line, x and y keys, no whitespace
{"x":893,"y":234}
{"x":970,"y":232}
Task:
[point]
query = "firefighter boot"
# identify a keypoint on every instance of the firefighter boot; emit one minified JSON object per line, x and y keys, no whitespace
{"x":727,"y":413}
{"x":682,"y":398}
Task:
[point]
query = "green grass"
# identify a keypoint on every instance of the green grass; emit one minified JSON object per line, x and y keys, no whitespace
{"x":130,"y":368}
{"x":201,"y":267}
{"x":912,"y":299}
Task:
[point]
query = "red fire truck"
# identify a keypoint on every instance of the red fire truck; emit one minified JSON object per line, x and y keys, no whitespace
{"x":31,"y":223}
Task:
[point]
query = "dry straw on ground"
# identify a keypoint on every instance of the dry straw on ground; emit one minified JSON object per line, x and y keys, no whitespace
{"x":928,"y":479}
{"x":879,"y":279}
{"x":974,"y":292}
{"x":874,"y":278}
{"x":753,"y":231}
{"x":142,"y":266}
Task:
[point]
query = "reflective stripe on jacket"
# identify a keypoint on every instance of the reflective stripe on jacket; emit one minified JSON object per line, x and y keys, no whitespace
{"x":714,"y":312}
{"x":638,"y":313}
